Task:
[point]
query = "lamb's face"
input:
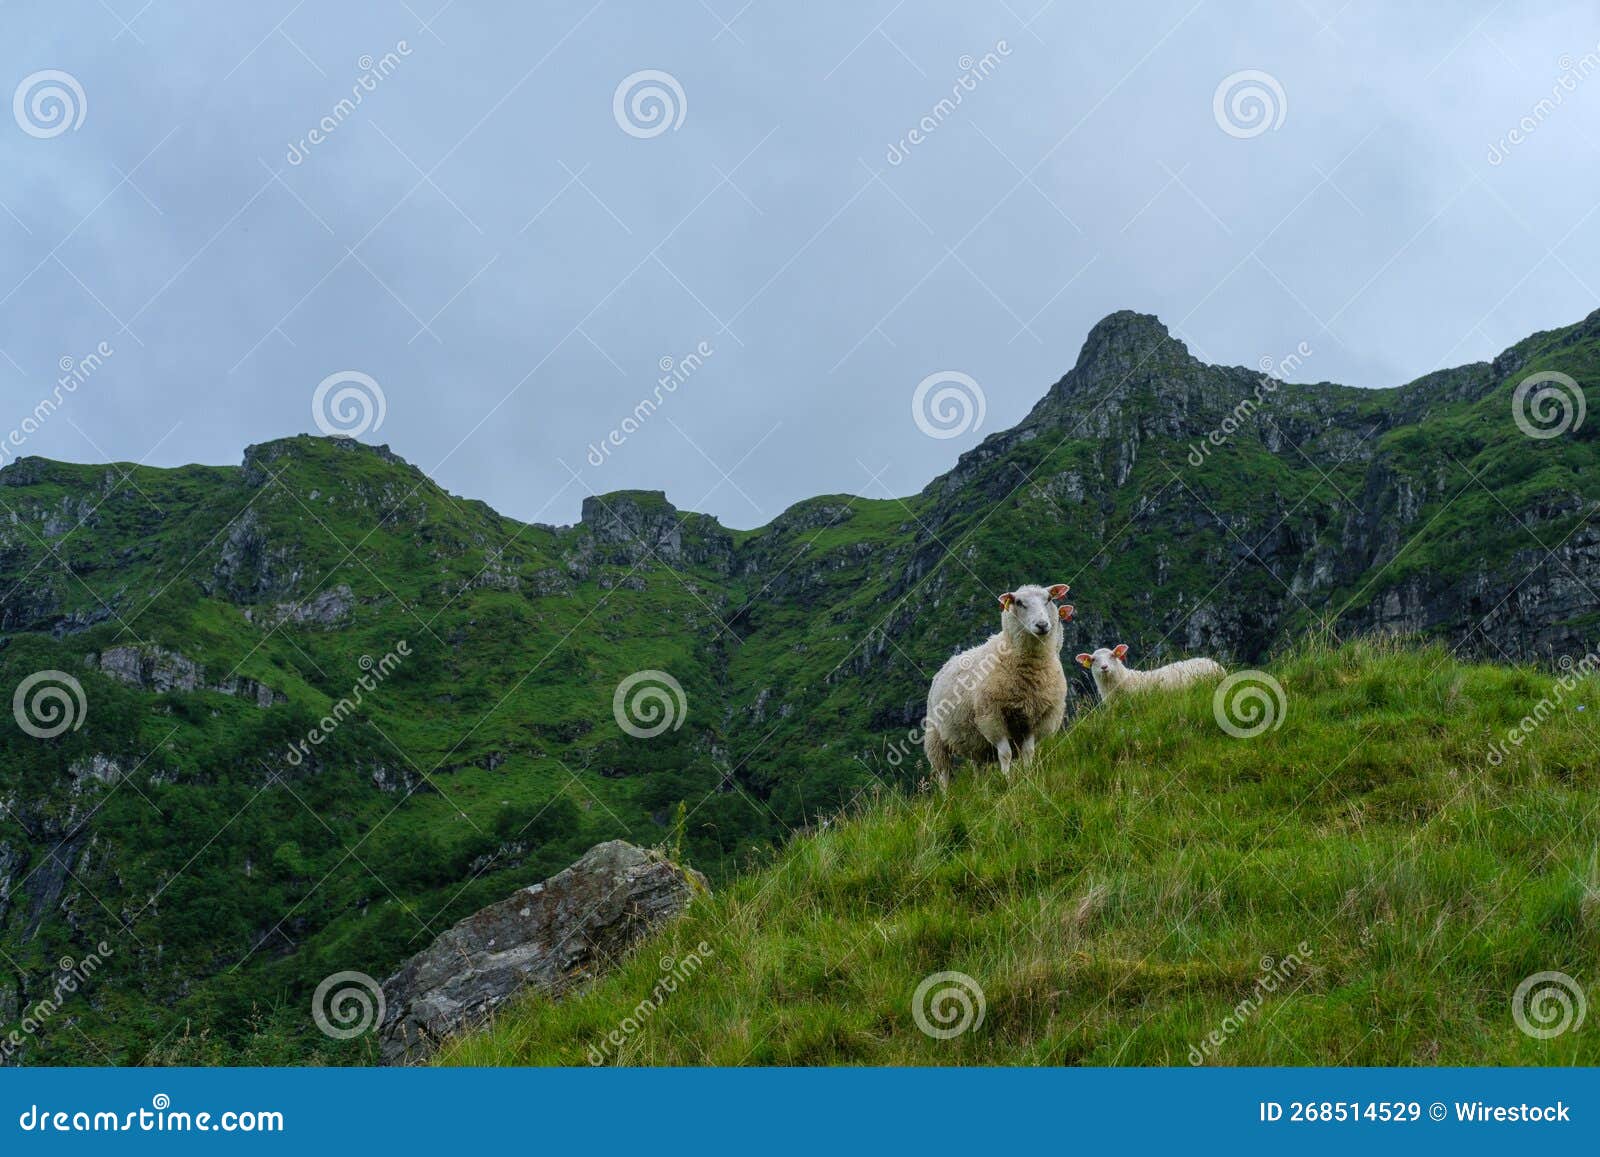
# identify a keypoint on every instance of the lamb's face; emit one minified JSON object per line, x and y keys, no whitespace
{"x":1031,"y":612}
{"x":1105,"y":660}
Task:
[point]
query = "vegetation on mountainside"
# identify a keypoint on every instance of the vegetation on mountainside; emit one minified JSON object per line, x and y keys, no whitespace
{"x":1134,"y":891}
{"x":231,"y":877}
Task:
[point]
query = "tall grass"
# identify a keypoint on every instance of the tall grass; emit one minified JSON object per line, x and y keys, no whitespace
{"x":1124,"y":900}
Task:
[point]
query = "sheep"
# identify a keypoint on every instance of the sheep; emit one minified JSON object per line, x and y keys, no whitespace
{"x":1111,"y":678}
{"x":998,"y":699}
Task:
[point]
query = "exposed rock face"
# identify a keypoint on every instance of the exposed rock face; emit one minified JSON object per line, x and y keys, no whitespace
{"x":329,"y":609}
{"x":152,"y":669}
{"x":41,"y":890}
{"x":551,"y":936}
{"x":102,"y":769}
{"x":1136,"y":390}
{"x":1320,"y":500}
{"x":630,"y":526}
{"x":159,"y":670}
{"x":249,"y":566}
{"x":12,"y":861}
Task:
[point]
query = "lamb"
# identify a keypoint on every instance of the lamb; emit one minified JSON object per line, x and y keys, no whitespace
{"x":998,"y":699}
{"x":1111,"y":678}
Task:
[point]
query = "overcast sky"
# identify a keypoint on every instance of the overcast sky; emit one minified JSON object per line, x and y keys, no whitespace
{"x":508,"y":246}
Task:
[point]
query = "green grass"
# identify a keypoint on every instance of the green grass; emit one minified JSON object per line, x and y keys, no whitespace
{"x":1115,"y":901}
{"x":805,"y":648}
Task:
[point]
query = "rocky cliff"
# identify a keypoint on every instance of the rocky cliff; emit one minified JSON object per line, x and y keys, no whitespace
{"x":321,"y":709}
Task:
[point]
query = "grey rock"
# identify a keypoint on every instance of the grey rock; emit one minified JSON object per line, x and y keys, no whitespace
{"x":332,"y":608}
{"x":254,"y":690}
{"x":12,"y":861}
{"x":96,"y":769}
{"x":250,"y":568}
{"x":389,"y":779}
{"x":547,"y":937}
{"x":41,"y":891}
{"x":631,"y":526}
{"x":162,"y":671}
{"x":152,"y":668}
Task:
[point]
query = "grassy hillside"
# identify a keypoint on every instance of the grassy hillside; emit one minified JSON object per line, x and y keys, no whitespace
{"x":213,"y":617}
{"x":1117,"y":903}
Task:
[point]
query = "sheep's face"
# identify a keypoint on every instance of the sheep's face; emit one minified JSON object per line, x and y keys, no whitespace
{"x":1030,"y":612}
{"x":1105,"y":660}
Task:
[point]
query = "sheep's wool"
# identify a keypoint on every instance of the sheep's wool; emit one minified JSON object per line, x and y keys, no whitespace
{"x":998,"y":698}
{"x":1122,"y":680}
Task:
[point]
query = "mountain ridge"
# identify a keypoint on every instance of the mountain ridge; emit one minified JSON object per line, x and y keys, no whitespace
{"x":216,"y":616}
{"x":1122,"y":337}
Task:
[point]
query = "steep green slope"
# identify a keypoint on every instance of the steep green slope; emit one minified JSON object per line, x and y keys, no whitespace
{"x":215,"y":616}
{"x":229,"y":863}
{"x":1362,"y":884}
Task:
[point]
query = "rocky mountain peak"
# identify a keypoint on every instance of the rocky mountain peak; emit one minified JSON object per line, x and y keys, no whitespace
{"x":1123,"y":349}
{"x":624,"y":510}
{"x":629,"y":526}
{"x":1124,"y":340}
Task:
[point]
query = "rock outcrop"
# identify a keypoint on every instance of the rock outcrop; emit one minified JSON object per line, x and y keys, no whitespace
{"x":549,"y":937}
{"x":330,"y":608}
{"x":162,"y":671}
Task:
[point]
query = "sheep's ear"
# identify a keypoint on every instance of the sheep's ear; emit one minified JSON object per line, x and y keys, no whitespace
{"x":1059,"y":591}
{"x":1006,"y":600}
{"x":1066,"y":611}
{"x":1085,"y":659}
{"x":1120,"y":651}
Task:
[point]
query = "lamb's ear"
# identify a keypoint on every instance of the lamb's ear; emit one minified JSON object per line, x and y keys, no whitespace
{"x":1120,"y":651}
{"x":1059,"y":591}
{"x":1006,"y":600}
{"x":1085,"y":659}
{"x":1066,"y":611}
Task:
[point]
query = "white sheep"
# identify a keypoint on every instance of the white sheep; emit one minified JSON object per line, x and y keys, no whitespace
{"x":1002,"y":696}
{"x":1111,"y":678}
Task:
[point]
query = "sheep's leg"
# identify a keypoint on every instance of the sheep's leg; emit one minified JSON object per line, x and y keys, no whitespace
{"x":1003,"y":750}
{"x":1028,"y":746}
{"x":993,"y":728}
{"x":939,"y":757}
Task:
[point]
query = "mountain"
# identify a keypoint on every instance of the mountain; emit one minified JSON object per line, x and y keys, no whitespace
{"x":319,"y":708}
